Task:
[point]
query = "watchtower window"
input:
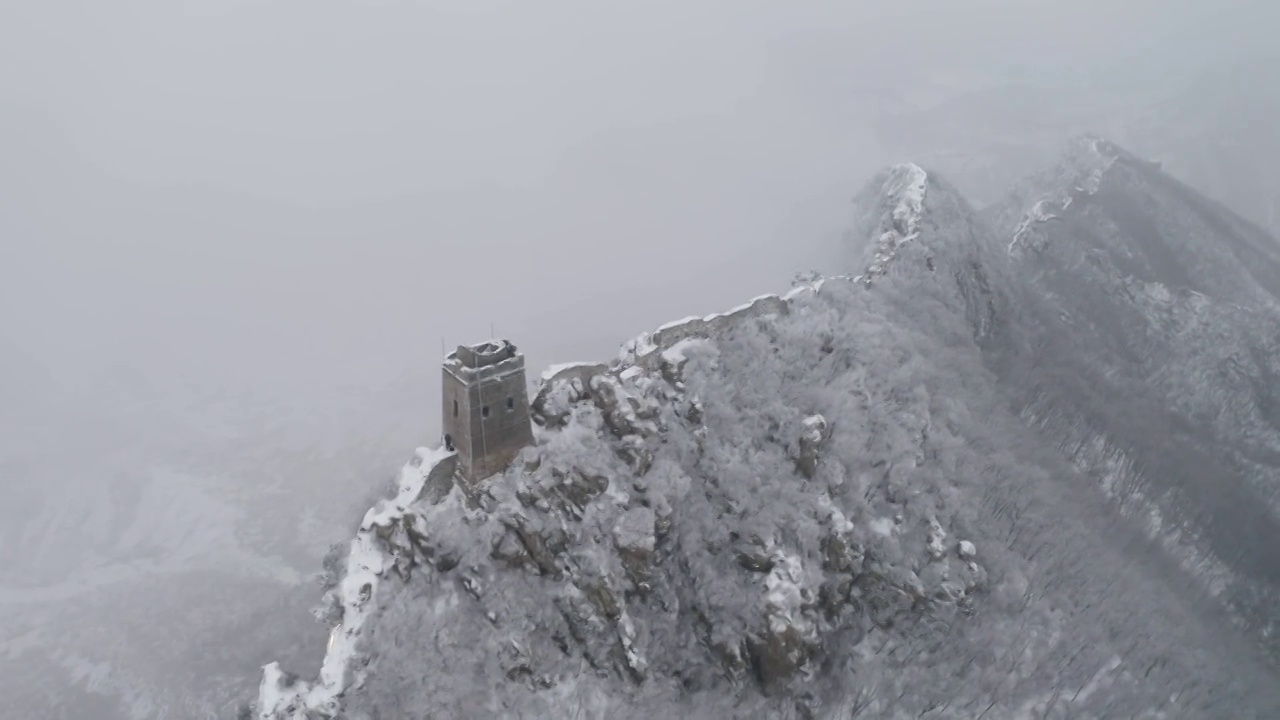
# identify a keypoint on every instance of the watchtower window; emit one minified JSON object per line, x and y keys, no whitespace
{"x":511,"y":404}
{"x":484,"y":411}
{"x":455,"y":408}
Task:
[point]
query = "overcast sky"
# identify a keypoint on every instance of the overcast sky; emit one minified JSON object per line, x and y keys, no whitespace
{"x":287,"y":197}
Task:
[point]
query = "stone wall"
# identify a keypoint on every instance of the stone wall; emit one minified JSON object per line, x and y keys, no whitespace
{"x":485,"y":413}
{"x":646,"y":350}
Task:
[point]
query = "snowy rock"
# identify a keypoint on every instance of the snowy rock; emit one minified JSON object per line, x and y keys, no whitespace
{"x":636,"y":454}
{"x":543,"y":546}
{"x":510,"y":550}
{"x":627,"y":636}
{"x":902,"y":200}
{"x":574,"y":488}
{"x":788,"y":640}
{"x":890,"y":595}
{"x":755,"y":558}
{"x":562,"y":387}
{"x":841,"y":553}
{"x":676,"y":357}
{"x":625,"y":411}
{"x":815,"y":433}
{"x":936,"y":543}
{"x":633,"y":535}
{"x":599,"y":591}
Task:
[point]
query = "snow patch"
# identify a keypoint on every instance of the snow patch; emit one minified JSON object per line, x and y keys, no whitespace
{"x":882,"y":526}
{"x":634,"y":530}
{"x":784,"y":596}
{"x":627,"y":636}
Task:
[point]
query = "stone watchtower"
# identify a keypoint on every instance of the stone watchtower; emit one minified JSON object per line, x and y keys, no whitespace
{"x":486,"y":407}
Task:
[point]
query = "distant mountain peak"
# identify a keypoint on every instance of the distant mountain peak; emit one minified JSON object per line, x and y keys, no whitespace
{"x":1083,"y":164}
{"x":907,"y":216}
{"x":1109,"y":205}
{"x":901,"y":198}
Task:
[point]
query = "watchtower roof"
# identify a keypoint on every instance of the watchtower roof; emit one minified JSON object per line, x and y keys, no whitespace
{"x":491,"y":358}
{"x":490,"y":352}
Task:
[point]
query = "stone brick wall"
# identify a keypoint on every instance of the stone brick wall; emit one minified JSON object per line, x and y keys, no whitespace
{"x":485,"y":414}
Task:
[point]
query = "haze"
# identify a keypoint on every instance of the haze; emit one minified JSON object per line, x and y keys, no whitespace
{"x":234,"y":236}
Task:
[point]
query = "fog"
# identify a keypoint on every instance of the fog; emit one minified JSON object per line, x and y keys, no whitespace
{"x":315,"y":193}
{"x":235,"y":236}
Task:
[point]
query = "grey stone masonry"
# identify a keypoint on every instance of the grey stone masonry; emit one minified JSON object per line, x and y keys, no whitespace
{"x":485,"y":407}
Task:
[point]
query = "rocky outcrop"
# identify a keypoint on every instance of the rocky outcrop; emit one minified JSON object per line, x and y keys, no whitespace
{"x":816,"y":432}
{"x":602,"y":514}
{"x":899,"y":212}
{"x":561,"y":387}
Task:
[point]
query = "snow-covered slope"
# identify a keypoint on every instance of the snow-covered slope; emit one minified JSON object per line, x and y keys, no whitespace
{"x":815,"y":505}
{"x":1156,"y":318}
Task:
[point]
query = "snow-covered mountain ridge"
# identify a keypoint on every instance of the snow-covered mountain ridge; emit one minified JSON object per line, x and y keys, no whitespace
{"x":860,"y":497}
{"x":1214,"y":129}
{"x":627,"y":397}
{"x":1142,"y":290}
{"x":624,"y":383}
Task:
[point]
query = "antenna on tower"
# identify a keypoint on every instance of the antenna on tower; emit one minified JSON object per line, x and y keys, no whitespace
{"x":491,"y":333}
{"x":442,"y":352}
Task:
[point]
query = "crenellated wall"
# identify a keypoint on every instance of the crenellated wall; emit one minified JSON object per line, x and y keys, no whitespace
{"x":646,"y":350}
